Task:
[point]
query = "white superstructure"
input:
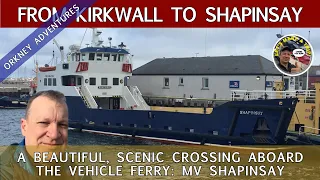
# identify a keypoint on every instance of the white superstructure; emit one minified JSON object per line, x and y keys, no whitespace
{"x":97,"y":73}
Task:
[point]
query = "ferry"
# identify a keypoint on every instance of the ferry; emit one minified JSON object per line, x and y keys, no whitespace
{"x":94,"y":81}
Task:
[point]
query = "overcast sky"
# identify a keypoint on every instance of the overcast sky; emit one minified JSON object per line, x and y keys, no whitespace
{"x":148,"y":44}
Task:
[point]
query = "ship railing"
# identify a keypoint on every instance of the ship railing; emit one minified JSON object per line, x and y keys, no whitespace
{"x":78,"y":91}
{"x":302,"y":95}
{"x":86,"y":92}
{"x":139,"y":96}
{"x":124,"y":97}
{"x":303,"y":132}
{"x":129,"y":97}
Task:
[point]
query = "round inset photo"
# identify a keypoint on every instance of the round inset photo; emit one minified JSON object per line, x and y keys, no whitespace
{"x":293,"y":55}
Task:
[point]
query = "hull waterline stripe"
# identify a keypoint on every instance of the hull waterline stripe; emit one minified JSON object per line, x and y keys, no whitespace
{"x":143,"y":137}
{"x":41,"y":36}
{"x":187,"y":142}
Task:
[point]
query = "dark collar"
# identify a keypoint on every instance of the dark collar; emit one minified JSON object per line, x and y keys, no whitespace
{"x":290,"y":66}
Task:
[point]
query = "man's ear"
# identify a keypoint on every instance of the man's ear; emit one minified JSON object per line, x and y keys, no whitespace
{"x":23,"y":126}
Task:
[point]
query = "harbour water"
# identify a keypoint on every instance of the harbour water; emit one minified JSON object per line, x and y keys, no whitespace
{"x":10,"y":133}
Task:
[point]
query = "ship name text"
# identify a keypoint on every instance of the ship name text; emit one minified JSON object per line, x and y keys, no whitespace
{"x":258,"y":113}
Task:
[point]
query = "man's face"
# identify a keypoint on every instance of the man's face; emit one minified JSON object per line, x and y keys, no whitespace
{"x":285,"y":57}
{"x":46,"y":127}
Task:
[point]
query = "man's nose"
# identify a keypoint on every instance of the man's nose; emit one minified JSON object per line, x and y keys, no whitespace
{"x":53,"y":131}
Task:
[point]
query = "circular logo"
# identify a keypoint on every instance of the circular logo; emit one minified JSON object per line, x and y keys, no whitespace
{"x":293,"y":55}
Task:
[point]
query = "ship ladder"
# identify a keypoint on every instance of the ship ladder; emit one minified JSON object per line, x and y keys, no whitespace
{"x":84,"y":99}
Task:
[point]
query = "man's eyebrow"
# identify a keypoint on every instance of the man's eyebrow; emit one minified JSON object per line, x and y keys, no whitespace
{"x":45,"y":119}
{"x":48,"y":119}
{"x":63,"y":121}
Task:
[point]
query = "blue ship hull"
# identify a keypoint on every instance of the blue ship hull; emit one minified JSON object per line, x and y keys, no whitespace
{"x":233,"y":123}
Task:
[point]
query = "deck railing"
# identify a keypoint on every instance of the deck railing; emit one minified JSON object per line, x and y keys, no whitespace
{"x":88,"y":96}
{"x":302,"y":132}
{"x":302,"y":95}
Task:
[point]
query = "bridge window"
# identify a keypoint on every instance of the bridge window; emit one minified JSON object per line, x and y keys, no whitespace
{"x":104,"y":81}
{"x":79,"y":82}
{"x":114,"y":57}
{"x":83,"y":57}
{"x":120,"y":57}
{"x":68,"y":80}
{"x":91,"y":56}
{"x":92,"y":81}
{"x":49,"y":82}
{"x":106,"y":56}
{"x":115,"y":81}
{"x":99,"y":57}
{"x":54,"y":81}
{"x":45,"y":81}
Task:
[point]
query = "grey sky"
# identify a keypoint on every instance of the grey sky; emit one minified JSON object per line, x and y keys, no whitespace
{"x":150,"y":43}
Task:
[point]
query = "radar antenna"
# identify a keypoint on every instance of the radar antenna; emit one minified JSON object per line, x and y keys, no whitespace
{"x":110,"y":39}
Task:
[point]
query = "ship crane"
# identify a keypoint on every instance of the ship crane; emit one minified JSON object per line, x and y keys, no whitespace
{"x":61,"y":50}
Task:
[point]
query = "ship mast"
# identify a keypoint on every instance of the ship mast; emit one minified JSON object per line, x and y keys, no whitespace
{"x":60,"y":49}
{"x":96,"y":40}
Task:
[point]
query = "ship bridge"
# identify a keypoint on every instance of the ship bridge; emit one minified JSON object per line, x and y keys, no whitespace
{"x":102,"y":54}
{"x":99,"y":54}
{"x":104,"y":50}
